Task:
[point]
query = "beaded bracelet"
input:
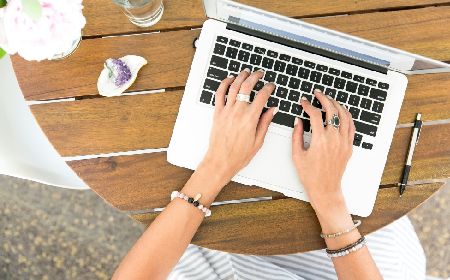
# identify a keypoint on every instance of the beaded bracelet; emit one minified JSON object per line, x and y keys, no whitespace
{"x":346,"y":252}
{"x":359,"y":241}
{"x":357,"y":223}
{"x":192,"y":200}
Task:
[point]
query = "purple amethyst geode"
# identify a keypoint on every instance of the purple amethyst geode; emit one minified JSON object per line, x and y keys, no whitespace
{"x":119,"y":72}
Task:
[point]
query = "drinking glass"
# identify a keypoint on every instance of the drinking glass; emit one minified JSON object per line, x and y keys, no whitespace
{"x":143,"y":13}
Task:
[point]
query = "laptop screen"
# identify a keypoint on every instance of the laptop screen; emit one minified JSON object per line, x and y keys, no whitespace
{"x":322,"y":38}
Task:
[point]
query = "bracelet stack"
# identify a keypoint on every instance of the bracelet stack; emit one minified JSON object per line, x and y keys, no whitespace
{"x":193,"y":201}
{"x":348,"y":249}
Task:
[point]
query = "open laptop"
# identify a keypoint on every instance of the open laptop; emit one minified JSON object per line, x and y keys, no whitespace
{"x":298,"y":57}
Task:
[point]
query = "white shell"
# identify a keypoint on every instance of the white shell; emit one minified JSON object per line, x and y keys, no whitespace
{"x":107,"y":88}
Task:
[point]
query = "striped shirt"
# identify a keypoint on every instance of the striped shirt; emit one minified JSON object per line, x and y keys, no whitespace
{"x":396,"y":250}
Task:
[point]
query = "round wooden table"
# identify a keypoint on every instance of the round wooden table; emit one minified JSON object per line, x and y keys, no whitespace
{"x":94,"y":126}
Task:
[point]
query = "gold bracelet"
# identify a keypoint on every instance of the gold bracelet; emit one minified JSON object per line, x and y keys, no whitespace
{"x":357,"y":223}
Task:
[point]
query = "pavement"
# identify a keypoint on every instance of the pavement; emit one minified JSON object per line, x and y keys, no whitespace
{"x":48,"y":232}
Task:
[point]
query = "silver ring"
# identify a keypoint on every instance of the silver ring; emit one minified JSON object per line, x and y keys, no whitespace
{"x":243,"y":97}
{"x":335,"y":121}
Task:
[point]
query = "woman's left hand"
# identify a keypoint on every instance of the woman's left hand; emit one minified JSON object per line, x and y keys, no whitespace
{"x":238,"y":131}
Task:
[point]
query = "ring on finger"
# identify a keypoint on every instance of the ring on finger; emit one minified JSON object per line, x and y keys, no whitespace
{"x":335,"y":121}
{"x":243,"y":97}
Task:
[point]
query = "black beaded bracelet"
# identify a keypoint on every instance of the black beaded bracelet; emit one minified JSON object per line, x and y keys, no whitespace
{"x":347,"y":247}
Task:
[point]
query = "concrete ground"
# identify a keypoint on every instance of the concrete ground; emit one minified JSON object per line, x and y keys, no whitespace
{"x":53,"y":233}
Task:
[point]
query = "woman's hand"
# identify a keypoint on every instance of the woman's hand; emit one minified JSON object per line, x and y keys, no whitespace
{"x":321,"y":167}
{"x":238,"y":131}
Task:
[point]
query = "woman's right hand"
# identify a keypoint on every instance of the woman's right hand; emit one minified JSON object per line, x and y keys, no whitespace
{"x":321,"y":167}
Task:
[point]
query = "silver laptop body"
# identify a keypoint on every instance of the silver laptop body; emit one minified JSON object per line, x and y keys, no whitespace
{"x":236,"y":37}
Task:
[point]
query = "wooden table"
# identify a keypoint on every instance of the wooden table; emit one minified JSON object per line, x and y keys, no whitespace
{"x":93,"y":125}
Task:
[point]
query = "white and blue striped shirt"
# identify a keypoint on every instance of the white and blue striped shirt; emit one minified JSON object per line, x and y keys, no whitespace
{"x":396,"y":250}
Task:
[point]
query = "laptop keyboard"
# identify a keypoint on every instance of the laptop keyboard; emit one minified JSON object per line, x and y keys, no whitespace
{"x":294,"y":78}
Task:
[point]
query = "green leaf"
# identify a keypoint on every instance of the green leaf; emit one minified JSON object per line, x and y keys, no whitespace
{"x":2,"y":3}
{"x":32,"y":8}
{"x":2,"y":53}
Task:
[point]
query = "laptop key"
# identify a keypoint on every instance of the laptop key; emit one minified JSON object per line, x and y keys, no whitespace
{"x":351,"y":87}
{"x":331,"y":92}
{"x":365,"y":103}
{"x":267,"y":63}
{"x":243,"y":56}
{"x":322,"y":68}
{"x":294,"y":95}
{"x":377,"y":107}
{"x":296,"y":109}
{"x":303,"y":73}
{"x":231,"y":53}
{"x":342,"y":97}
{"x":222,"y":39}
{"x":358,"y":79}
{"x":272,"y":102}
{"x":285,"y":57}
{"x":282,"y":92}
{"x":306,"y":87}
{"x":270,"y":76}
{"x":282,"y":79}
{"x":316,"y":103}
{"x":327,"y":80}
{"x":259,"y":85}
{"x":306,"y":125}
{"x":319,"y":87}
{"x":355,"y":112}
{"x":367,"y":146}
{"x":356,"y":142}
{"x":247,"y":47}
{"x":211,"y":85}
{"x":365,"y":128}
{"x":246,"y":66}
{"x":294,"y":83}
{"x":235,"y":43}
{"x":219,"y":49}
{"x":339,"y":83}
{"x":284,"y":119}
{"x":234,"y":66}
{"x":219,"y":61}
{"x":297,"y":61}
{"x":363,"y":90}
{"x":252,"y":96}
{"x":333,"y":71}
{"x":310,"y":64}
{"x":279,"y":66}
{"x":354,"y":100}
{"x":371,"y":82}
{"x":285,"y":106}
{"x":378,"y":94}
{"x":216,"y":74}
{"x":358,"y":136}
{"x":260,"y":50}
{"x":346,"y":75}
{"x":315,"y":76}
{"x":370,"y":117}
{"x":205,"y":97}
{"x":292,"y":70}
{"x":383,"y":85}
{"x":308,"y":97}
{"x":255,"y":59}
{"x":272,"y":54}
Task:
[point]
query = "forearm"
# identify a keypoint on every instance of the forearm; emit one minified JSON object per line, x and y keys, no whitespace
{"x":356,"y":265}
{"x":159,"y":249}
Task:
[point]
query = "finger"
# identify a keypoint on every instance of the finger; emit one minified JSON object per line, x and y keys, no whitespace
{"x":248,"y":85}
{"x":263,"y":126}
{"x":220,"y":93}
{"x":298,"y":148}
{"x":351,"y":130}
{"x":344,"y":122}
{"x":262,"y":97}
{"x":315,"y":115}
{"x":236,"y":87}
{"x":327,"y":104}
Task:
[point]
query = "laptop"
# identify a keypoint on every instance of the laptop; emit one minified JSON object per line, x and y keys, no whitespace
{"x":367,"y":77}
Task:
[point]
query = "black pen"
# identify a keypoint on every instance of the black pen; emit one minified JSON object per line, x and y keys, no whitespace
{"x":412,"y":145}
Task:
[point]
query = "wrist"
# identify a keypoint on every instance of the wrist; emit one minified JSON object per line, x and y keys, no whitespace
{"x":333,"y":215}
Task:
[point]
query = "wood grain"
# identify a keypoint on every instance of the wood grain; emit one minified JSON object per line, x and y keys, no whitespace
{"x":189,"y":13}
{"x":423,"y":31}
{"x":145,"y":181}
{"x":288,"y":226}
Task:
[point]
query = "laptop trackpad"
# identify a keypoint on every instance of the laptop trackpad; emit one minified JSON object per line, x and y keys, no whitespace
{"x":273,"y":165}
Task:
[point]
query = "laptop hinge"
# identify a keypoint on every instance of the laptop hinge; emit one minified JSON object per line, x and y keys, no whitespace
{"x":306,"y":48}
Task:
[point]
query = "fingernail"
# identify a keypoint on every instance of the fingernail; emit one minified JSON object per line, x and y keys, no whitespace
{"x":296,"y":121}
{"x":329,"y":97}
{"x":275,"y":111}
{"x":318,"y":90}
{"x":247,"y":70}
{"x":261,"y":70}
{"x":304,"y":98}
{"x":231,"y":76}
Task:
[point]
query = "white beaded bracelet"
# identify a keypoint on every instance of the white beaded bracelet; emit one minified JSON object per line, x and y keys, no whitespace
{"x":346,"y":252}
{"x":357,"y":223}
{"x":191,"y":200}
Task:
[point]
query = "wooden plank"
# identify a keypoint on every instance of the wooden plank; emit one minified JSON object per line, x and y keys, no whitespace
{"x":289,"y":226}
{"x":423,"y":31}
{"x":185,"y":13}
{"x":145,"y":181}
